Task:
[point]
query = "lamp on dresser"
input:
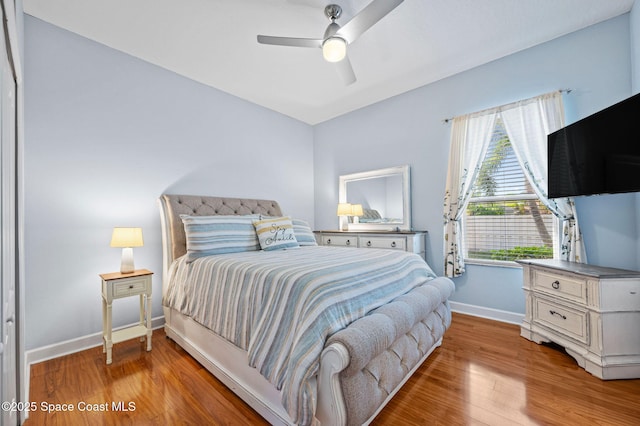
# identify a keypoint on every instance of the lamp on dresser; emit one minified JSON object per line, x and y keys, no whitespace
{"x":356,"y":212}
{"x":126,"y":238}
{"x":344,"y":211}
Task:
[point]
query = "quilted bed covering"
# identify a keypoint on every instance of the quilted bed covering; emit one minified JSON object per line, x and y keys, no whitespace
{"x":281,"y":306}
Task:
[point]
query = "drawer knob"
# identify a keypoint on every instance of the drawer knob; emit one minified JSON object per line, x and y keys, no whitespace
{"x":328,"y":241}
{"x":558,"y":314}
{"x":393,"y":244}
{"x":368,"y":243}
{"x":130,"y":286}
{"x":348,"y":242}
{"x":555,"y":284}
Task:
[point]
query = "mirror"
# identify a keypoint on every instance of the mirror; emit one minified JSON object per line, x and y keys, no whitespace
{"x":384,"y":196}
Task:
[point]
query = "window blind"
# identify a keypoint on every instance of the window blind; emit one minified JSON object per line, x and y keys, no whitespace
{"x":504,"y":219}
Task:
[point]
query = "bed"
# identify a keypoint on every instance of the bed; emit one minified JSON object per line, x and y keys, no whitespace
{"x":351,"y":366}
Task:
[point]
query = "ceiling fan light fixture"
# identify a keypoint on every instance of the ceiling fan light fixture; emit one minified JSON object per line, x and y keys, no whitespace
{"x":334,"y":49}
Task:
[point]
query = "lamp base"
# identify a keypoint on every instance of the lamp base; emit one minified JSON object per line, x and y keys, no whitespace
{"x":126,"y":263}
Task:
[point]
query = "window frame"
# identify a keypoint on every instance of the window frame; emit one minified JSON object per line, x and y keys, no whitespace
{"x":555,"y":228}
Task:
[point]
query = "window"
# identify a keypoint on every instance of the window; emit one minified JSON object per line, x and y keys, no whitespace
{"x":504,"y":220}
{"x":490,"y":210}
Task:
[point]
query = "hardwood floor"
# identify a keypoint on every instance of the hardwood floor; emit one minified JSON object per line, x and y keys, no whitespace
{"x":483,"y":374}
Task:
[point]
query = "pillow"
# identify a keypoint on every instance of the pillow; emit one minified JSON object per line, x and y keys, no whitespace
{"x":371,"y":214}
{"x":208,"y":235}
{"x":275,"y":233}
{"x":304,"y":234}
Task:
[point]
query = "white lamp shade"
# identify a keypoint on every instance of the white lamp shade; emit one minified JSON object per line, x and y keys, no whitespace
{"x":334,"y":49}
{"x":356,"y":210}
{"x":344,"y":209}
{"x":126,"y":237}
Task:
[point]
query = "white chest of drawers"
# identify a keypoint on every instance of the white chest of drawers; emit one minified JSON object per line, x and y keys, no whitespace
{"x":410,"y":241}
{"x":592,"y":311}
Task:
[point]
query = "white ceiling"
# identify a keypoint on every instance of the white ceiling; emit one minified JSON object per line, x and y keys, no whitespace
{"x":421,"y":41}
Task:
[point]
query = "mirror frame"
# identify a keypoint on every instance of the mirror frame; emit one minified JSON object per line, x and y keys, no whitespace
{"x":402,"y":171}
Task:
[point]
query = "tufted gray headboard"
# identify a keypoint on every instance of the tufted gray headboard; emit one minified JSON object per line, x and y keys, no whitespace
{"x":174,"y":242}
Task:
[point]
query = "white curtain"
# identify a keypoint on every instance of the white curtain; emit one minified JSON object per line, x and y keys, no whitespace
{"x":470,"y":137}
{"x":527,"y":123}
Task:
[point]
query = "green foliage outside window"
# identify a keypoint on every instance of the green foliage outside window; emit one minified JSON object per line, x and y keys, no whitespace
{"x":500,"y":209}
{"x":534,"y":252}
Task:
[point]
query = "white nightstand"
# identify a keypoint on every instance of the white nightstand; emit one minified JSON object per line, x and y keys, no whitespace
{"x":116,"y":285}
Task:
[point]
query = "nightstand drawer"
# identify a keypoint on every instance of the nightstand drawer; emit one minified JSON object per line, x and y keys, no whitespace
{"x":572,"y":288}
{"x":568,"y":321}
{"x":130,"y":287}
{"x":340,"y":240}
{"x":383,"y":242}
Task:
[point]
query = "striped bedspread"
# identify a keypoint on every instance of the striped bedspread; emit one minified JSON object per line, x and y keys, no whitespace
{"x":281,"y":306}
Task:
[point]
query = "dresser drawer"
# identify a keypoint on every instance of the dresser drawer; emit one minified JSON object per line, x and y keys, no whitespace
{"x":412,"y":242}
{"x":130,"y":287}
{"x":340,"y":240}
{"x":571,"y":322}
{"x":382,"y":242}
{"x":572,"y":288}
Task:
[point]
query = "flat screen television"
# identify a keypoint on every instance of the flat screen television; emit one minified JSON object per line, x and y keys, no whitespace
{"x":599,"y":154}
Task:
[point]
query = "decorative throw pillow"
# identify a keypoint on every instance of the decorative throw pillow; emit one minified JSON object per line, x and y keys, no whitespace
{"x":275,"y":233}
{"x":304,"y":234}
{"x":209,"y":235}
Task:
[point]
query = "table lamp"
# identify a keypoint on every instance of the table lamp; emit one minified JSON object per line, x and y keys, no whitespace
{"x":356,"y":212}
{"x":344,"y":210}
{"x":127,"y":238}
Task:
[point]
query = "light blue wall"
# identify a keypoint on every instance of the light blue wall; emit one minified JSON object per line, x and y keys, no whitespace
{"x":408,"y":129}
{"x":106,"y":134}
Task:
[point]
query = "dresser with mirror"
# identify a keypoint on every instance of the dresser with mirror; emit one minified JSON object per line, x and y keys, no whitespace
{"x":374,"y":211}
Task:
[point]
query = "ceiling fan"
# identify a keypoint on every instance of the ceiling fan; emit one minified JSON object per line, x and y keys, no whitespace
{"x":336,"y":38}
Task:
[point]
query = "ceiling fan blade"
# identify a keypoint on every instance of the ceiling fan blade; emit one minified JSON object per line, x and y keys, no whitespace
{"x":290,"y":41}
{"x":375,"y":11}
{"x":345,"y":71}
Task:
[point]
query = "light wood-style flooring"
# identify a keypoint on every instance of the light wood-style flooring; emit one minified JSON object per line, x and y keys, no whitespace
{"x":483,"y":374}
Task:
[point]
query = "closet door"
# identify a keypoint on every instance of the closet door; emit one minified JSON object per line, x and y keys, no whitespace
{"x":8,"y":233}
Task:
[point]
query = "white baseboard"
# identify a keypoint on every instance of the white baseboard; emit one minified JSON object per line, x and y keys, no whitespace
{"x":34,"y":356}
{"x":489,"y":313}
{"x":78,"y":344}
